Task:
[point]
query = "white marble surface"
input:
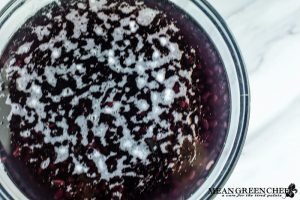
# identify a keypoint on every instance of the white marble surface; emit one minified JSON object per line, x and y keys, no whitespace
{"x":268,"y":33}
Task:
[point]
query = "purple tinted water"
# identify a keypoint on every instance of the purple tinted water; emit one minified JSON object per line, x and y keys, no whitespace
{"x":113,"y":100}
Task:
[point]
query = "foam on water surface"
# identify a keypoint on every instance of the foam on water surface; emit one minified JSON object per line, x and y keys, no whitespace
{"x":111,"y":97}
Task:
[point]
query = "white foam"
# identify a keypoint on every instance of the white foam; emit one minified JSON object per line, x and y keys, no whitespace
{"x":115,"y":108}
{"x":111,"y":60}
{"x":141,"y":82}
{"x":28,"y":59}
{"x":169,"y":95}
{"x":96,"y":5}
{"x":98,"y":30}
{"x":160,"y":76}
{"x":114,"y":17}
{"x":163,"y":41}
{"x":78,"y":169}
{"x":157,"y":110}
{"x":25,"y":133}
{"x":45,"y":163}
{"x":62,"y":154}
{"x":155,"y":55}
{"x":126,"y":8}
{"x":138,"y":150}
{"x":36,"y":89}
{"x":127,"y":144}
{"x":100,"y":131}
{"x":127,"y":42}
{"x":163,"y":147}
{"x":100,"y":162}
{"x":177,"y":116}
{"x":69,"y":45}
{"x":146,"y":16}
{"x":133,"y":26}
{"x":81,"y":121}
{"x":56,"y":53}
{"x":31,"y":160}
{"x":23,"y":81}
{"x":24,"y":48}
{"x":42,"y":31}
{"x":131,"y":58}
{"x":44,"y":46}
{"x":80,"y":22}
{"x":81,"y":5}
{"x":140,"y":69}
{"x":33,"y":103}
{"x":142,"y":105}
{"x":50,"y":75}
{"x":67,"y":92}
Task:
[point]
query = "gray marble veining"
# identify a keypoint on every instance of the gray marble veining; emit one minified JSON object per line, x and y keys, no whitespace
{"x":268,"y":33}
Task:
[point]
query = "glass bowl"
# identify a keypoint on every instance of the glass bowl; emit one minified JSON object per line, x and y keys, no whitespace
{"x":16,"y":12}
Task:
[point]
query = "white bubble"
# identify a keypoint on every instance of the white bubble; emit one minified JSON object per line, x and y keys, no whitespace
{"x":141,"y":82}
{"x":155,"y":54}
{"x":142,"y":105}
{"x":160,"y":77}
{"x":56,"y":53}
{"x":45,"y":163}
{"x":111,"y":61}
{"x":163,"y":41}
{"x":78,"y":169}
{"x":133,"y":26}
{"x":168,"y":95}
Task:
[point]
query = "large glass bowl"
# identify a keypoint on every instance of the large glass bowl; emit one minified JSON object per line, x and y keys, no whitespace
{"x":16,"y":12}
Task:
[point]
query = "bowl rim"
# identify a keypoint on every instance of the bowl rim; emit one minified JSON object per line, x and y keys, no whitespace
{"x":244,"y":86}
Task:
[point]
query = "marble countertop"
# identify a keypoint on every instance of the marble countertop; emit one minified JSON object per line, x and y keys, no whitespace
{"x":268,"y":33}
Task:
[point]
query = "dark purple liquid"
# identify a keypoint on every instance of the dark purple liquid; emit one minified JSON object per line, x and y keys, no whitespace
{"x":114,"y":100}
